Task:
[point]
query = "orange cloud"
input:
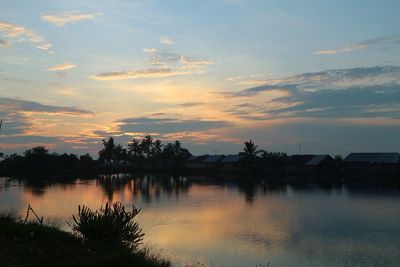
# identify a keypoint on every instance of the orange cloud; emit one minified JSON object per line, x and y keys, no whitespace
{"x":68,"y":17}
{"x":65,"y":66}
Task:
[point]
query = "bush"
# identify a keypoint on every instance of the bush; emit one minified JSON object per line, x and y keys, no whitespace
{"x":111,"y":225}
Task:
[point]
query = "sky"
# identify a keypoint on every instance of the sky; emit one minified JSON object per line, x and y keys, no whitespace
{"x":210,"y":73}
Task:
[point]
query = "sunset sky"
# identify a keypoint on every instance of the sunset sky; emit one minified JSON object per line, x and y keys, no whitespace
{"x":212,"y":74}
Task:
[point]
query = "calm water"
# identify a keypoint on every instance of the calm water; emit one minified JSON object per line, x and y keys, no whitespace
{"x":235,"y":224}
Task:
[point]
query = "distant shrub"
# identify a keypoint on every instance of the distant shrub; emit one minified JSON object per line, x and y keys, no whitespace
{"x":111,"y":225}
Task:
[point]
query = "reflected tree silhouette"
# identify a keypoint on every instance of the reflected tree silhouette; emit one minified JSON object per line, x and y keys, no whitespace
{"x":148,"y":188}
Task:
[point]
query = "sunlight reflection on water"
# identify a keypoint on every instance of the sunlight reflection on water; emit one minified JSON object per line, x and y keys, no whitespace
{"x":235,"y":223}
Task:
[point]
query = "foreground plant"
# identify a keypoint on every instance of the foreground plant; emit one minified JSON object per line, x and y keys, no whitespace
{"x":111,"y":225}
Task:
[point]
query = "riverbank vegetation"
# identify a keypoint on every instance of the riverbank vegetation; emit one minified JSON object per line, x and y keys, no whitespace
{"x":153,"y":156}
{"x":32,"y":244}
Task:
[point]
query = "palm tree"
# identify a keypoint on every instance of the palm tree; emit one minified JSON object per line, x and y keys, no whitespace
{"x":39,"y":151}
{"x":135,"y":149}
{"x":175,"y":151}
{"x":147,"y":144}
{"x":250,"y":150}
{"x":119,"y":154}
{"x":156,"y":149}
{"x":108,"y":151}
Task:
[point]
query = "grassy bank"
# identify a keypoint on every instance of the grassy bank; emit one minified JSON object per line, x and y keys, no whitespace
{"x":32,"y":244}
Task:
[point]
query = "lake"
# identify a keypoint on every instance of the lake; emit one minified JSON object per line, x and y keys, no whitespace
{"x":234,"y":222}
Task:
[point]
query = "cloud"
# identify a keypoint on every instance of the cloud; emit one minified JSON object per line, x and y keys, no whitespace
{"x":329,"y":80}
{"x":19,"y":34}
{"x":251,"y":82}
{"x":194,"y":61}
{"x":386,"y":41}
{"x":343,"y":50}
{"x":168,"y":125}
{"x":165,"y":59}
{"x":16,"y":113}
{"x":139,"y":74}
{"x":191,"y":104}
{"x":68,"y":18}
{"x":347,"y":93}
{"x":179,"y":62}
{"x":166,"y":40}
{"x":19,"y":105}
{"x":23,"y":139}
{"x":65,"y":66}
{"x":149,"y":50}
{"x":164,"y":65}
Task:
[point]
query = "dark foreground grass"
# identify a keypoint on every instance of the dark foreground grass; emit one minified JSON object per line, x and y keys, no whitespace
{"x":31,"y":244}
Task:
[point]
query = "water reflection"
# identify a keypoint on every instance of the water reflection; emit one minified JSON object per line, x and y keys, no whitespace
{"x":235,"y":222}
{"x":148,"y":188}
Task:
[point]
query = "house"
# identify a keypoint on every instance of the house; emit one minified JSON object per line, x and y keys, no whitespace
{"x":319,"y":160}
{"x":230,"y":161}
{"x":297,"y":163}
{"x":300,"y":160}
{"x":320,"y":163}
{"x":372,"y":158}
{"x":196,"y":161}
{"x":373,"y":162}
{"x":212,"y":160}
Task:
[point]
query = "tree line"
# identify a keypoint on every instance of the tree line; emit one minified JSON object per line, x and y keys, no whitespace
{"x":139,"y":153}
{"x":142,"y":151}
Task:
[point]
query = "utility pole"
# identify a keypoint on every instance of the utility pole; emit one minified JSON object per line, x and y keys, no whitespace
{"x":300,"y":144}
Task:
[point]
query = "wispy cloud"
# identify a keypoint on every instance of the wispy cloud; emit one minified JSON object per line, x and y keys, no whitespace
{"x":177,"y":61}
{"x":251,"y":82}
{"x":65,"y":66}
{"x":385,"y":41}
{"x":166,"y":40}
{"x":16,"y":113}
{"x":168,"y":125}
{"x":190,"y":62}
{"x":163,"y":65}
{"x":149,"y":50}
{"x":138,"y":74}
{"x":342,"y":50}
{"x":68,"y":17}
{"x":164,"y":59}
{"x":20,"y":105}
{"x":372,"y":92}
{"x":20,"y":34}
{"x":335,"y":79}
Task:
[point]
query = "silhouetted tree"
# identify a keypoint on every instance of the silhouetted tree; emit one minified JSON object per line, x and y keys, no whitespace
{"x":156,"y":149}
{"x":38,"y":151}
{"x":175,"y":151}
{"x":135,"y":149}
{"x":110,"y":152}
{"x":250,"y":151}
{"x":86,"y":161}
{"x":147,"y":144}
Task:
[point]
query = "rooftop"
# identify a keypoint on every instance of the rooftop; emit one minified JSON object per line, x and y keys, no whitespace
{"x":213,"y":158}
{"x":317,"y":159}
{"x":373,"y":158}
{"x":232,"y":158}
